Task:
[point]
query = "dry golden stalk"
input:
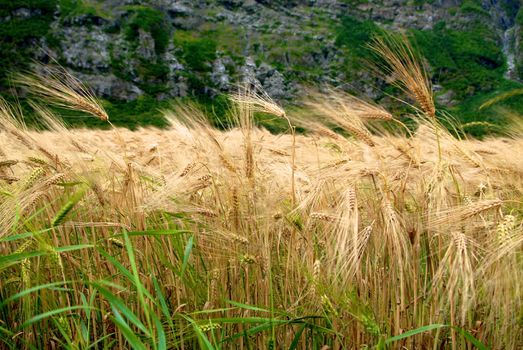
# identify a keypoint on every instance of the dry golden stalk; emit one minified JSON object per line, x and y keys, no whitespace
{"x":8,"y":179}
{"x":316,"y":269}
{"x":359,"y":132}
{"x":323,"y":217}
{"x":8,"y":163}
{"x":249,"y":162}
{"x":378,"y":116}
{"x":59,"y":87}
{"x":480,"y":207}
{"x":227,"y":163}
{"x":187,"y":169}
{"x":205,"y":212}
{"x":53,"y":180}
{"x":401,"y":63}
{"x":35,"y":198}
{"x":98,"y":193}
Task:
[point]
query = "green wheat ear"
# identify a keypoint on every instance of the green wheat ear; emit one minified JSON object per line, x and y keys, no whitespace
{"x":67,"y":207}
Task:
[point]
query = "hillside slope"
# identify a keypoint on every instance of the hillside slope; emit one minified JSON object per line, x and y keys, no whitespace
{"x":137,"y":52}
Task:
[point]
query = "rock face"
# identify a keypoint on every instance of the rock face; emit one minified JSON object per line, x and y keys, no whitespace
{"x":168,"y":48}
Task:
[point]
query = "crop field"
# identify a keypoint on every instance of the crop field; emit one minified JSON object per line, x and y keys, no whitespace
{"x":356,"y":233}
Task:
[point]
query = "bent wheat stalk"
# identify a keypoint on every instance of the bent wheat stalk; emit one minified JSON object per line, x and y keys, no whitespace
{"x":61,"y":89}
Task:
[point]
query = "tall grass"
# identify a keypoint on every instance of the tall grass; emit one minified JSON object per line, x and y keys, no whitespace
{"x":196,"y":238}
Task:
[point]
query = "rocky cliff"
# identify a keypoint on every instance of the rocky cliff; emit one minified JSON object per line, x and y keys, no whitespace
{"x":125,"y":49}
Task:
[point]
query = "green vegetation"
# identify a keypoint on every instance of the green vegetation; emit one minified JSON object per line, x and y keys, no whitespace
{"x":471,"y":64}
{"x":73,"y":8}
{"x":473,"y":6}
{"x":196,"y":52}
{"x":19,"y":34}
{"x":149,"y":20}
{"x":355,"y":35}
{"x":466,"y":62}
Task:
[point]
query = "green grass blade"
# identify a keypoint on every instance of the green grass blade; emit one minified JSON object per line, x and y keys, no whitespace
{"x":127,"y":332}
{"x":296,"y":339}
{"x":162,"y":302}
{"x":140,"y":289}
{"x":202,"y":338}
{"x":31,"y":290}
{"x":473,"y":340}
{"x":153,"y":233}
{"x":50,"y":313}
{"x":8,"y":260}
{"x":412,"y":332}
{"x":12,"y":238}
{"x":123,"y":270}
{"x":119,"y":304}
{"x":162,"y":341}
{"x":247,"y":307}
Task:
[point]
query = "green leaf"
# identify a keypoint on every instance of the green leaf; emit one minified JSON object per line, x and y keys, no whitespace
{"x":140,"y":289}
{"x":124,"y":271}
{"x":251,"y":331}
{"x":162,"y":341}
{"x":153,"y":233}
{"x":414,"y":332}
{"x":8,"y":260}
{"x":478,"y":344}
{"x":294,"y":344}
{"x":247,"y":307}
{"x":44,"y":315}
{"x":119,"y":304}
{"x":31,"y":290}
{"x":202,"y":338}
{"x":131,"y":337}
{"x":16,"y":237}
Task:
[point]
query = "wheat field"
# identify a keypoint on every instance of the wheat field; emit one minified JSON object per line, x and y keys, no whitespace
{"x":358,"y":233}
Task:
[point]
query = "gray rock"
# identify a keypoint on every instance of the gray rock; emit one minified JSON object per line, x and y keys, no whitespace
{"x":272,"y":81}
{"x":219,"y":75}
{"x":248,"y":72}
{"x":176,"y":8}
{"x":85,"y":48}
{"x":108,"y":85}
{"x":146,"y":45}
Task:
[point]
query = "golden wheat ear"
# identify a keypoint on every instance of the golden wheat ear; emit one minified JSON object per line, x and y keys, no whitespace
{"x":398,"y":62}
{"x":58,"y":87}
